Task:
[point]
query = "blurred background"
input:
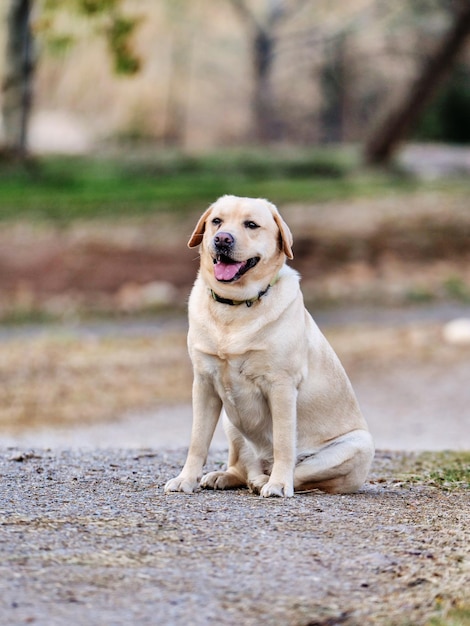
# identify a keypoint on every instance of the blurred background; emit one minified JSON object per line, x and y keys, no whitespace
{"x":122,"y":120}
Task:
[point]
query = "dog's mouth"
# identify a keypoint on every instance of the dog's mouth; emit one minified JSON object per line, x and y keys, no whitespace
{"x":227,"y":270}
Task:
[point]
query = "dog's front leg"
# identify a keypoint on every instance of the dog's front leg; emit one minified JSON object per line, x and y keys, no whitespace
{"x":206,"y":411}
{"x":283,"y":404}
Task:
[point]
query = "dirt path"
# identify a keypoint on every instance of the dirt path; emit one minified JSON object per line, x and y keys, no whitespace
{"x":89,"y":538}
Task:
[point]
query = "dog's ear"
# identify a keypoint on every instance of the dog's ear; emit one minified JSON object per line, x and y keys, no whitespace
{"x":198,"y":232}
{"x":285,"y":236}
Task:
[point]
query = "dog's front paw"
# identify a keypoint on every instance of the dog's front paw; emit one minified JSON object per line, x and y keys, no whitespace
{"x":182,"y":483}
{"x":275,"y":489}
{"x":220,"y":480}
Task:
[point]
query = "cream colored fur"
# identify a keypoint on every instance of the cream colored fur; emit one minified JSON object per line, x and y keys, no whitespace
{"x":289,"y":411}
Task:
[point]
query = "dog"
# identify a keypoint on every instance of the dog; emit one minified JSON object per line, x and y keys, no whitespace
{"x":289,"y":411}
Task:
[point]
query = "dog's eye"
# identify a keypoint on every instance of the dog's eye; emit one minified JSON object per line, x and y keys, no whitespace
{"x":250,"y":224}
{"x":216,"y":221}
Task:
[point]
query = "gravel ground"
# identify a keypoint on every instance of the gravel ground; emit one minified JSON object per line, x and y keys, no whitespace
{"x":87,"y":537}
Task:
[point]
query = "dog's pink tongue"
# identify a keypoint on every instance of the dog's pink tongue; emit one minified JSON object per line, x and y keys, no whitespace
{"x":226,"y":271}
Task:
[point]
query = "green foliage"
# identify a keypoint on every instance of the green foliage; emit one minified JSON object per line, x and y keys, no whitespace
{"x":68,"y":188}
{"x":109,"y":21}
{"x":60,"y":44}
{"x":459,"y":616}
{"x":419,"y":295}
{"x":255,"y":164}
{"x":95,"y":7}
{"x":119,"y":33}
{"x":456,"y":288}
{"x":444,"y":470}
{"x":51,"y":5}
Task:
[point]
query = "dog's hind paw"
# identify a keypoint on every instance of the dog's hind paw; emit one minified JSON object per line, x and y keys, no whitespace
{"x":257,"y":483}
{"x":221,"y":480}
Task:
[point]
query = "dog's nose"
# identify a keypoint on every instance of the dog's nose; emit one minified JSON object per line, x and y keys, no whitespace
{"x":224,"y":240}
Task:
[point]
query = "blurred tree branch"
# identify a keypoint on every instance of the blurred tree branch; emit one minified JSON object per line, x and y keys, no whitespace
{"x":383,"y":142}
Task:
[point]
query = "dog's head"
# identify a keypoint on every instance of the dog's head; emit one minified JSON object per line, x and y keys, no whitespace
{"x":244,"y":241}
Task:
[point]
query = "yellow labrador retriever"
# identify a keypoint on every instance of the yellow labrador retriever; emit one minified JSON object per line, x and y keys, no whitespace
{"x":290,"y":414}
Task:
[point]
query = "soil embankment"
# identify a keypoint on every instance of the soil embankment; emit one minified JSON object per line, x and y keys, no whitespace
{"x":388,"y":250}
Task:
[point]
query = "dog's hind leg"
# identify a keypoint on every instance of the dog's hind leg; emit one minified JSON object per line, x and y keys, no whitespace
{"x":341,"y":466}
{"x":243,"y":468}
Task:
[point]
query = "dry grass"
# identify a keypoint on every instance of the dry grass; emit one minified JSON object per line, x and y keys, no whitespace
{"x":377,"y":345}
{"x":70,"y":380}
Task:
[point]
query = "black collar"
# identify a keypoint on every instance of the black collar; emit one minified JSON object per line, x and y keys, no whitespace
{"x":249,"y":302}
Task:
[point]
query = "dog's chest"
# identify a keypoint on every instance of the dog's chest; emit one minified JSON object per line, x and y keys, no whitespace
{"x":237,"y":377}
{"x":243,"y":390}
{"x":244,"y":396}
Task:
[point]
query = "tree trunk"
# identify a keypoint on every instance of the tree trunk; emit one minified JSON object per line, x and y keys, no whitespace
{"x":335,"y":92}
{"x":265,"y":124}
{"x":19,"y":71}
{"x":386,"y":138}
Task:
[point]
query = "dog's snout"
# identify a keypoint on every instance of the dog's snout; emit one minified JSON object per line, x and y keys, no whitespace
{"x":224,"y":240}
